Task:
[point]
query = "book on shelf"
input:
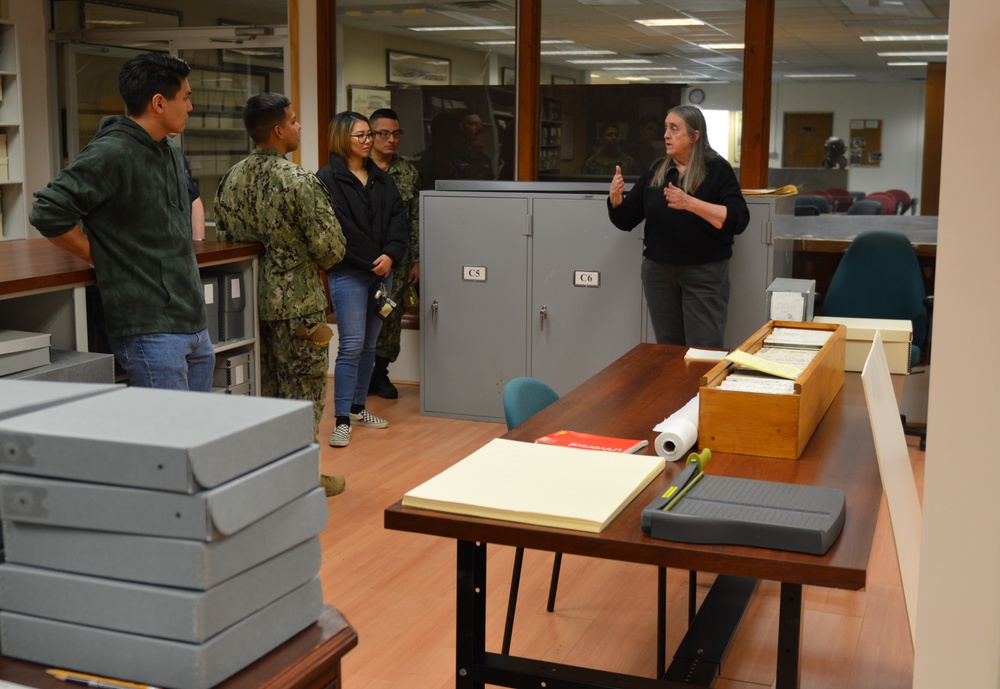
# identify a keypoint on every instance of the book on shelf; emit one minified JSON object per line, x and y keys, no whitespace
{"x":538,"y":484}
{"x":589,"y":441}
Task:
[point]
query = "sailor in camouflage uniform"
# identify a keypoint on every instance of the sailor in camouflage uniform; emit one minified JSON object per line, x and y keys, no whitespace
{"x":385,"y":124}
{"x":268,"y":199}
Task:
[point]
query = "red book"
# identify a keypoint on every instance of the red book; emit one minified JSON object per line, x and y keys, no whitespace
{"x":589,"y":441}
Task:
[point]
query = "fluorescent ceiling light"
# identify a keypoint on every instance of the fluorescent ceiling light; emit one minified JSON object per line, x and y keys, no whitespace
{"x":905,"y":64}
{"x":722,"y":46}
{"x":548,"y":41}
{"x":608,"y":62}
{"x":488,"y":27}
{"x":821,"y":76}
{"x":889,"y":39}
{"x":578,"y":52}
{"x":641,"y":69}
{"x":916,"y":53}
{"x":683,"y":21}
{"x":117,"y":23}
{"x":632,"y":78}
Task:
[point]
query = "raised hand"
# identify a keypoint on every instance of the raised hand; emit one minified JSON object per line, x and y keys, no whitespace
{"x":617,"y":187}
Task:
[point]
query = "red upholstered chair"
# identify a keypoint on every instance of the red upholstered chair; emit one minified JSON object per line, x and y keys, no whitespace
{"x":820,"y":192}
{"x":902,"y":198}
{"x":840,"y":199}
{"x":889,"y":203}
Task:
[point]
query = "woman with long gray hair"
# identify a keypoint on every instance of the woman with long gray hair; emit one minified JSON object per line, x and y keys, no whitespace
{"x":693,"y":207}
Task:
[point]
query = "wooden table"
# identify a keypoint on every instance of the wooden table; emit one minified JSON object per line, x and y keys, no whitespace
{"x":309,"y":660}
{"x":627,"y":399}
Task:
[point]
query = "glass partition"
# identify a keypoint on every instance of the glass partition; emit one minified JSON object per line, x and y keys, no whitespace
{"x":227,"y":68}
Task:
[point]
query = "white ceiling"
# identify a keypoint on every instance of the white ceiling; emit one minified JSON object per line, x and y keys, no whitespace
{"x":810,"y":36}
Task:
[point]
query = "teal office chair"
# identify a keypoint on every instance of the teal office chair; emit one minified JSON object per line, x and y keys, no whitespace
{"x":522,"y":399}
{"x":880,"y":277}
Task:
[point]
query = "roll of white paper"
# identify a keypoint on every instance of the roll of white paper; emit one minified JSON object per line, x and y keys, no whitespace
{"x":678,"y":432}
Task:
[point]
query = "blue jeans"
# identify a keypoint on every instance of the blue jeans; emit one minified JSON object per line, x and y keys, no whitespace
{"x":169,"y":361}
{"x":352,"y":294}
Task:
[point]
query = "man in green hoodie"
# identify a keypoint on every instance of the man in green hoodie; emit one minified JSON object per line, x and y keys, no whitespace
{"x":122,"y":205}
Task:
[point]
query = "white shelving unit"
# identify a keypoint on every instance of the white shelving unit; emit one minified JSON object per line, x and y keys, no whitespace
{"x":13,"y":204}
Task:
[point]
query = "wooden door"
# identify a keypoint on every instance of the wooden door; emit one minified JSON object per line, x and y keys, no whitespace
{"x":805,"y":134}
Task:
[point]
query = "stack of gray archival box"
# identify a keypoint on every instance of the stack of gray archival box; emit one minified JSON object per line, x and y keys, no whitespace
{"x":233,"y":374}
{"x":166,"y":538}
{"x":20,"y":351}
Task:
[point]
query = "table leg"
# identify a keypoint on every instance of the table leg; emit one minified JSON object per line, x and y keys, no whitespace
{"x":789,"y":636}
{"x":470,"y":606}
{"x":661,"y":621}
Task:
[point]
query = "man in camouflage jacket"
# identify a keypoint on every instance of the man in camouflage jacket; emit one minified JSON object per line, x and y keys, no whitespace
{"x":385,"y":124}
{"x":268,"y":199}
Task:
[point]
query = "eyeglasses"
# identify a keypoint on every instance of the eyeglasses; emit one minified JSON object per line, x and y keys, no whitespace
{"x":363,"y":137}
{"x":383,"y":134}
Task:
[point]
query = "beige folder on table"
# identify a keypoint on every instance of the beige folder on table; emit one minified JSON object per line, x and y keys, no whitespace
{"x":546,"y":485}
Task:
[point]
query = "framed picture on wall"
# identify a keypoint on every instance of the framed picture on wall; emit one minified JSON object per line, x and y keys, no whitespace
{"x":409,"y":68}
{"x":507,"y":76}
{"x":558,"y":80}
{"x":368,"y":99}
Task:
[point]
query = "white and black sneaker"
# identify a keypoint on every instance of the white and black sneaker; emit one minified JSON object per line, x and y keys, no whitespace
{"x":341,"y":435}
{"x":364,"y":418}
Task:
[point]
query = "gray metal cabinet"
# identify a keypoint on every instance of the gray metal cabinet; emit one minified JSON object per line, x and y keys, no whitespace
{"x":517,"y":283}
{"x":473,"y":298}
{"x":532,"y":279}
{"x":586,"y":292}
{"x":759,"y":256}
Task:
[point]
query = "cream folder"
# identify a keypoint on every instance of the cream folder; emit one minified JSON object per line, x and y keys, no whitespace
{"x":530,"y":483}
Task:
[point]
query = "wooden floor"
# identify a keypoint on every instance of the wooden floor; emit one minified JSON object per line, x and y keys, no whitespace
{"x":398,"y":589}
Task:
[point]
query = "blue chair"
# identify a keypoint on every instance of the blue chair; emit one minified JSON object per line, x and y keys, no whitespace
{"x":522,"y":399}
{"x":525,"y":397}
{"x":864,"y":207}
{"x":880,"y":277}
{"x":820,"y":203}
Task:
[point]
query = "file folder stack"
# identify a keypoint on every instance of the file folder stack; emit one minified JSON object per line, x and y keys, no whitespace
{"x":210,"y":286}
{"x":4,"y":161}
{"x":232,"y":302}
{"x":160,"y":537}
{"x":233,"y":374}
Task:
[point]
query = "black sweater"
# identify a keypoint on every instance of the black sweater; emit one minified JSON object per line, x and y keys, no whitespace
{"x":372,"y":217}
{"x":681,"y":237}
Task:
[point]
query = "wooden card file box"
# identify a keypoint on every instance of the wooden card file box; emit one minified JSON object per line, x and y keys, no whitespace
{"x":752,"y":423}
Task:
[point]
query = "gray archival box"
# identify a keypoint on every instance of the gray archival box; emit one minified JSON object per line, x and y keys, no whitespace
{"x":204,"y":516}
{"x":159,"y":439}
{"x":160,"y":611}
{"x":23,"y":396}
{"x":68,"y":366}
{"x":165,"y":561}
{"x":162,"y":662}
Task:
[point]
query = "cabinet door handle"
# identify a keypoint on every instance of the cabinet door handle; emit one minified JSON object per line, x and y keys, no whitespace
{"x":541,"y":318}
{"x":434,"y":310}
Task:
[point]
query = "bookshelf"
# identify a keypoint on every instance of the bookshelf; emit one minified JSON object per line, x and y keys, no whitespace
{"x":13,"y":204}
{"x":550,"y":140}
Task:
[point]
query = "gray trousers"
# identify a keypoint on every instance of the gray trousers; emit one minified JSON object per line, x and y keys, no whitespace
{"x":687,"y":304}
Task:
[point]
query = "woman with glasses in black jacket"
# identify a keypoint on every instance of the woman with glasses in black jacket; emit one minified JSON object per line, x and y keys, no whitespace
{"x":373,"y":220}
